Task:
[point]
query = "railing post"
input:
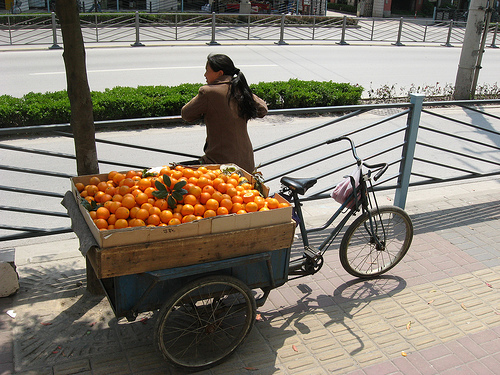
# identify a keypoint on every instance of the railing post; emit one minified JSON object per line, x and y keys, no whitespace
{"x":493,"y":45}
{"x":408,"y":149}
{"x":342,"y":38}
{"x":54,"y":33}
{"x":213,"y":42}
{"x":448,"y":38}
{"x":248,"y":30}
{"x":10,"y":30}
{"x":282,"y":31}
{"x":398,"y":42}
{"x":176,"y":26}
{"x":137,"y":42}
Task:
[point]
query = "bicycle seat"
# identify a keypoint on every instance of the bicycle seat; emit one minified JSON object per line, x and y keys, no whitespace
{"x":300,"y":185}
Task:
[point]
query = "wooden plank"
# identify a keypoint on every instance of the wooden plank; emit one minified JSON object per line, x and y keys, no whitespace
{"x":138,"y":258}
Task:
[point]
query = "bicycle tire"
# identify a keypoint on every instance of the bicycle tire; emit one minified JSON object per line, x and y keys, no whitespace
{"x":204,"y":322}
{"x":358,"y":253}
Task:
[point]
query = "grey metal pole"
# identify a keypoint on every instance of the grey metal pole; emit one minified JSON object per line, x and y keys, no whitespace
{"x":54,"y":33}
{"x":282,"y":31}
{"x":448,"y":38}
{"x":342,"y":38}
{"x":137,"y":41}
{"x":398,"y":42}
{"x":493,"y":45}
{"x":213,"y":42}
{"x":408,"y":149}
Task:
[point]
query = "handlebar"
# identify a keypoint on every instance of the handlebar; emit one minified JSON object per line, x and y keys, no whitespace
{"x":382,"y":166}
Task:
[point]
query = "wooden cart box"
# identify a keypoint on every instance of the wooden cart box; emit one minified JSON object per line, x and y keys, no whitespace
{"x":148,"y":235}
{"x":138,"y":258}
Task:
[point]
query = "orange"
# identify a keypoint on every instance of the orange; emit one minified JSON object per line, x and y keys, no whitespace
{"x":146,"y":206}
{"x":92,"y":215}
{"x":237,"y":199}
{"x":128,"y":201}
{"x":222,"y":187}
{"x":105,"y":198}
{"x":111,"y":190}
{"x":124,"y":189}
{"x":149,"y":192}
{"x":178,"y":208}
{"x":217,"y":196}
{"x":248,"y":197}
{"x":188,"y":218}
{"x":165,"y":170}
{"x":141,"y":198}
{"x":121,"y":223}
{"x":190,"y":199}
{"x":283,"y":205}
{"x":102,"y":213}
{"x":174,"y":221}
{"x":131,"y":174}
{"x":177,"y":215}
{"x":203,"y":181}
{"x":122,"y":213}
{"x":117,"y":198}
{"x":188,"y":173}
{"x":113,"y":206}
{"x":144,"y":183}
{"x":111,"y":220}
{"x":204,"y":197}
{"x":199,"y":209}
{"x":118,"y":177}
{"x":212,"y":204}
{"x":154,"y":220}
{"x":272,"y":203}
{"x":177,"y":174}
{"x":232,"y":181}
{"x":232,"y":192}
{"x":216,"y":182}
{"x":91,"y":190}
{"x":208,"y":189}
{"x":102,"y":185}
{"x":142,"y":214}
{"x":154,"y":211}
{"x":195,"y":190}
{"x":127,"y":182}
{"x":265,"y":208}
{"x":222,"y":211}
{"x":187,"y":209}
{"x":98,"y":195}
{"x":251,"y":207}
{"x":79,"y":186}
{"x":260,"y":202}
{"x":227,"y":203}
{"x":166,"y":216}
{"x":236,"y":207}
{"x":101,"y":223}
{"x":94,"y":180}
{"x":111,"y":175}
{"x":209,"y":213}
{"x":241,"y":212}
{"x":138,"y":223}
{"x":84,"y":194}
{"x":133,"y":212}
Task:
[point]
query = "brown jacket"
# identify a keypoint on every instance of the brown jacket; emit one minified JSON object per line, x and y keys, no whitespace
{"x":227,"y":135}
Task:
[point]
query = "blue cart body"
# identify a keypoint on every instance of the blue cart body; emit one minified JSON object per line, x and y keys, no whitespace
{"x":130,"y":295}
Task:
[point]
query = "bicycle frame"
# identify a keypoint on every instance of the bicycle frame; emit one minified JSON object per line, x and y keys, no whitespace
{"x":358,"y":200}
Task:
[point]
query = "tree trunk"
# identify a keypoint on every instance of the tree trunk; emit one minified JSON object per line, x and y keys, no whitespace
{"x":82,"y":117}
{"x":470,"y":50}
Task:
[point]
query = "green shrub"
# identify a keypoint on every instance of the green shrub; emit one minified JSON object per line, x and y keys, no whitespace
{"x":157,"y":101}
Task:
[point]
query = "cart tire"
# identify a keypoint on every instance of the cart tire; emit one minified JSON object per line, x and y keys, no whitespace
{"x":359,"y":253}
{"x":204,"y":322}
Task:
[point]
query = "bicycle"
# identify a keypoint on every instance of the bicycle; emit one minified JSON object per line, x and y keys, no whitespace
{"x":373,"y":243}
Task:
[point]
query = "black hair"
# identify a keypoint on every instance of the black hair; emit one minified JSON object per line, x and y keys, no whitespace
{"x":240,"y":90}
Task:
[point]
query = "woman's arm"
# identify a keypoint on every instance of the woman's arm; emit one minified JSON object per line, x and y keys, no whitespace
{"x":261,"y":106}
{"x":196,"y":107}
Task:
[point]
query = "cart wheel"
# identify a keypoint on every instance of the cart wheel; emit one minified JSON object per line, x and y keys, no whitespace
{"x":205,"y":321}
{"x":369,"y":250}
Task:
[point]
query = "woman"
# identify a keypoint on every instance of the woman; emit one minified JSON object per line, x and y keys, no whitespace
{"x":226,"y":103}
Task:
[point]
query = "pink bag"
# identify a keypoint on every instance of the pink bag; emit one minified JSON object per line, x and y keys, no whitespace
{"x":344,"y":189}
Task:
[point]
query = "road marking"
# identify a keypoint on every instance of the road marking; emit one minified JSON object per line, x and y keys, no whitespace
{"x":145,"y":69}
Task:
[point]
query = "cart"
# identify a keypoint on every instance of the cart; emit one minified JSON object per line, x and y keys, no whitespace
{"x":206,"y":287}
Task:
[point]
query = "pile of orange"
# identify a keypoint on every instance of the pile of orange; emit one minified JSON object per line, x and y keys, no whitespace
{"x":127,"y":200}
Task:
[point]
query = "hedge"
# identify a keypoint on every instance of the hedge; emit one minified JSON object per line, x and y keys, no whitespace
{"x":156,"y":101}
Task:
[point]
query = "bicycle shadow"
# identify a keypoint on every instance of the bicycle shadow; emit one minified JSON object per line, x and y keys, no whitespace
{"x":341,"y":307}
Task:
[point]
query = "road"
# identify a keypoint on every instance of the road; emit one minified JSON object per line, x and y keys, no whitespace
{"x":373,"y":67}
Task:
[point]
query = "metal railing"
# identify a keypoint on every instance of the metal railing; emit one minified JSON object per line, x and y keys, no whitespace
{"x":423,"y":142}
{"x":140,"y":28}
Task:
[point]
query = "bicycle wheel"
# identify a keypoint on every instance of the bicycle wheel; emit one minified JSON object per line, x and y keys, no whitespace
{"x":204,"y":322}
{"x":367,"y":252}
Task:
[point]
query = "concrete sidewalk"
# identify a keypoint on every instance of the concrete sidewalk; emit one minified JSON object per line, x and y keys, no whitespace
{"x":438,"y":312}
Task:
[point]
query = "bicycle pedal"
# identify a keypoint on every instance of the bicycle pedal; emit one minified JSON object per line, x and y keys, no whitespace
{"x":311,"y":252}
